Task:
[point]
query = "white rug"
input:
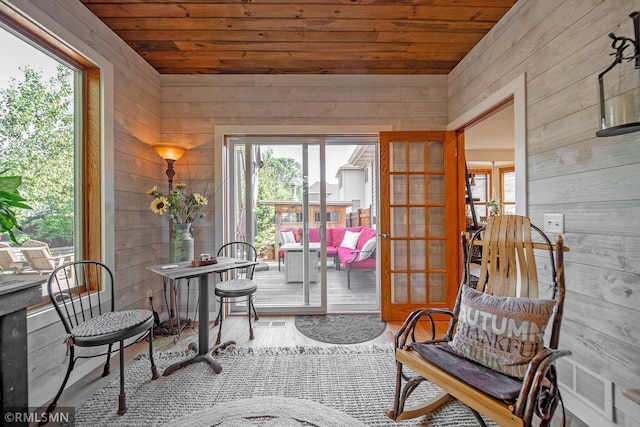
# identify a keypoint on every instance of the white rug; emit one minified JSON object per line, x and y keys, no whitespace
{"x":356,"y":381}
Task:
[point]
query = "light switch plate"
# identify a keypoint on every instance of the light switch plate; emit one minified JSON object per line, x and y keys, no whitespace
{"x":554,"y":223}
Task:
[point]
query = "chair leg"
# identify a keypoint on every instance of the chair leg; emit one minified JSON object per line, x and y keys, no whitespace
{"x":348,"y":276}
{"x":54,"y":402}
{"x":249,"y":310}
{"x":254,"y":311}
{"x":219,"y":337}
{"x":122,"y":399}
{"x":154,"y":370}
{"x":107,"y":364}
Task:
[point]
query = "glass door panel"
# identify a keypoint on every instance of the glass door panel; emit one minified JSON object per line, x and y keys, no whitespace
{"x":305,"y":192}
{"x":416,"y":180}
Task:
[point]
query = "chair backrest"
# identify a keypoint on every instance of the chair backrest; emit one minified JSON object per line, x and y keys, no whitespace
{"x":508,"y":264}
{"x":75,"y":291}
{"x":38,"y":255}
{"x":240,"y":250}
{"x":7,"y":257}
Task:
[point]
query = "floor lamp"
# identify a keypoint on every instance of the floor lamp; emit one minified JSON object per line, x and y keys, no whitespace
{"x":170,"y":153}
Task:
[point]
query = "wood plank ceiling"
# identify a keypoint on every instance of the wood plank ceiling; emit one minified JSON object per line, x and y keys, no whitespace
{"x":301,"y":37}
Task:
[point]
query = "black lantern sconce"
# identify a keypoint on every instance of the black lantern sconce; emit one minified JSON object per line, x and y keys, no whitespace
{"x":619,"y":86}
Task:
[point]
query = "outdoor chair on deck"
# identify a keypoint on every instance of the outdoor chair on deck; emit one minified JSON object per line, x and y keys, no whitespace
{"x":9,"y":262}
{"x":236,"y":282}
{"x":38,"y":256}
{"x":89,"y":317}
{"x":493,"y":357}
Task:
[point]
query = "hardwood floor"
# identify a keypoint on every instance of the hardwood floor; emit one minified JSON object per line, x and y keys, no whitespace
{"x":276,"y":331}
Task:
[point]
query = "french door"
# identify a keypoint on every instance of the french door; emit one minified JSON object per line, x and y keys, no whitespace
{"x":419,"y":221}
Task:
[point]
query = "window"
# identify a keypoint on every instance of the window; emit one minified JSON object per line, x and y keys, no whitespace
{"x":508,"y":190}
{"x":291,"y":217}
{"x":57,"y":95}
{"x":331,"y":217}
{"x":481,"y":191}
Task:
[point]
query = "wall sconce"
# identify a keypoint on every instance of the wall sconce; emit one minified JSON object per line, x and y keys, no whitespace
{"x":170,"y":153}
{"x":619,"y":91}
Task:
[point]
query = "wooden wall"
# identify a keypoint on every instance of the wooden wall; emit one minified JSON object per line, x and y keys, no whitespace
{"x":562,"y":46}
{"x":193,"y":105}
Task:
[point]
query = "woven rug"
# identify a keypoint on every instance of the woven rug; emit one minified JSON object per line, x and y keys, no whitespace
{"x":357,"y":381}
{"x":341,"y":328}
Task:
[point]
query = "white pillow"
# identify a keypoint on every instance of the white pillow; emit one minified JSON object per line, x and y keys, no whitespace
{"x":350,"y":240}
{"x":287,"y":237}
{"x":367,"y":249}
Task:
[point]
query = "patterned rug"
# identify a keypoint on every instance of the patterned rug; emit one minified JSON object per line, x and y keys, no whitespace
{"x":341,"y":328}
{"x":355,"y":381}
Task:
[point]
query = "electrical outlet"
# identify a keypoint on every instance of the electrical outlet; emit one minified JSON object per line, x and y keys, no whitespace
{"x":554,"y":223}
{"x":149,"y":293}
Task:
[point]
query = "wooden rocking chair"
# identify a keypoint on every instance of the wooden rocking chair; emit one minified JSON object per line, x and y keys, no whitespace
{"x":500,"y":313}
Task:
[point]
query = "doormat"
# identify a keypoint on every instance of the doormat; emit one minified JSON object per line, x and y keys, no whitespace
{"x":341,"y":328}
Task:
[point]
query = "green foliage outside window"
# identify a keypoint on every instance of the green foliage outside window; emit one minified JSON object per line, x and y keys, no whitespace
{"x":37,"y":143}
{"x":274,"y":183}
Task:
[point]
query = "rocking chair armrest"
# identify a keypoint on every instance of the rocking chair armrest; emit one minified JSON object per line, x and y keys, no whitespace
{"x":408,"y":327}
{"x":534,"y":380}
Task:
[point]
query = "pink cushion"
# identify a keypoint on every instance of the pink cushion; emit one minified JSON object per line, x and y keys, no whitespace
{"x":329,"y":237}
{"x":367,"y":263}
{"x":314,"y":235}
{"x":338,"y":234}
{"x":365,"y":235}
{"x":332,"y":251}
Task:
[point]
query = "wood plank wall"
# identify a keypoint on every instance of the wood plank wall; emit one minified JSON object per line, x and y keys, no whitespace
{"x":193,"y":105}
{"x":138,"y":238}
{"x":562,"y":46}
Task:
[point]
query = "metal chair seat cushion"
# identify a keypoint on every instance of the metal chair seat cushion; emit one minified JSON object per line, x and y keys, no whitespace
{"x":235,"y":287}
{"x":112,"y":326}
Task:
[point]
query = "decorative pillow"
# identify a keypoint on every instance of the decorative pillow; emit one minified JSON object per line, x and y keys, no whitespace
{"x":350,"y":239}
{"x":501,"y":333}
{"x":368,"y":248}
{"x":365,"y":235}
{"x":287,"y":237}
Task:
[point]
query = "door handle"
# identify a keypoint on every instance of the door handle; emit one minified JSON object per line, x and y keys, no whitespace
{"x":385,"y":235}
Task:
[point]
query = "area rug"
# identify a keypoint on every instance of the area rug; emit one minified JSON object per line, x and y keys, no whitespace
{"x":341,"y":328}
{"x":357,"y":381}
{"x":269,"y":411}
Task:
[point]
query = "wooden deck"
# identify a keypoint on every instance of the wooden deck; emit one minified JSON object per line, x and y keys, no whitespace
{"x":273,"y":290}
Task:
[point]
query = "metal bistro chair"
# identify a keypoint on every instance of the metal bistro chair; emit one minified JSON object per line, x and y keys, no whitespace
{"x":75,"y":290}
{"x":237,"y":282}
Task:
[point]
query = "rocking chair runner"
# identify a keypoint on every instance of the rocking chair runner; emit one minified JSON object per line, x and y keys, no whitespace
{"x":467,"y":362}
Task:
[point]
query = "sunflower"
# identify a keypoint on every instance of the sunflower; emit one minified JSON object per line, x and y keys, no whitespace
{"x":200,"y":199}
{"x":159,"y":205}
{"x":152,"y":190}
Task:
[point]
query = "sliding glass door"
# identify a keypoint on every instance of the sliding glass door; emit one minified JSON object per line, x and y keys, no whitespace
{"x":289,"y":196}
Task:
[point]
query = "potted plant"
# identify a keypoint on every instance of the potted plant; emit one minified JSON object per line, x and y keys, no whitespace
{"x":10,"y":199}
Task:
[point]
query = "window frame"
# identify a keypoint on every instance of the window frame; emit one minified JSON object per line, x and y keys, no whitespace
{"x":502,"y":172}
{"x":95,"y":239}
{"x":485,"y":203}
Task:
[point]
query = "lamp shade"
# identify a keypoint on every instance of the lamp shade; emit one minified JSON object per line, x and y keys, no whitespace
{"x":168,"y":151}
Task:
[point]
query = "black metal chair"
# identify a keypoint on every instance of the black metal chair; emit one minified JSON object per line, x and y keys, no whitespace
{"x":78,"y":291}
{"x":237,"y":282}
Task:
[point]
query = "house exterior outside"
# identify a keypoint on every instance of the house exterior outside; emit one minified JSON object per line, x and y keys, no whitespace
{"x":558,"y":46}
